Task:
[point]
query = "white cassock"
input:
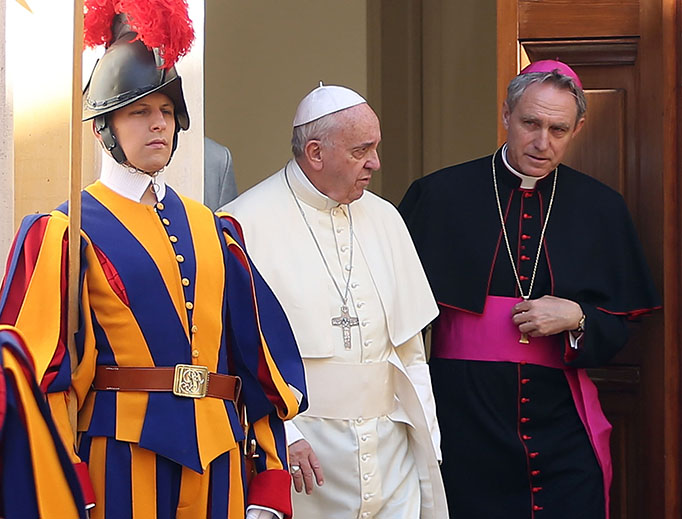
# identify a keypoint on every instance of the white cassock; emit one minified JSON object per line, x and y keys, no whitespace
{"x":371,"y":419}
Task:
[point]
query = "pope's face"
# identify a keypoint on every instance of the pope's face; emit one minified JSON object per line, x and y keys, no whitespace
{"x":540,"y":128}
{"x":350,"y":155}
{"x":144,"y":130}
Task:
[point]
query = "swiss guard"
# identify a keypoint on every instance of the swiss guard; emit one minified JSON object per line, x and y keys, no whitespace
{"x":180,"y":340}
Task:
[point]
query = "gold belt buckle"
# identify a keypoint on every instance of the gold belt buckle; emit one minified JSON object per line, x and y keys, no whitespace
{"x":190,"y":381}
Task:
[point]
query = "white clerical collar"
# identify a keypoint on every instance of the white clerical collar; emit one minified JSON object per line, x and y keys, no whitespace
{"x":527,"y":182}
{"x":129,"y":184}
{"x":305,"y":190}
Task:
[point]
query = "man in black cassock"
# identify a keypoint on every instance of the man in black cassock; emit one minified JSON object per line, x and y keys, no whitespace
{"x":537,"y":269}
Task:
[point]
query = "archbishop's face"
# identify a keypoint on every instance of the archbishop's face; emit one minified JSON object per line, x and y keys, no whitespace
{"x":540,"y":128}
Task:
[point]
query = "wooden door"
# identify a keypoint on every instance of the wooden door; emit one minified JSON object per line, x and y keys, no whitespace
{"x":626,"y":54}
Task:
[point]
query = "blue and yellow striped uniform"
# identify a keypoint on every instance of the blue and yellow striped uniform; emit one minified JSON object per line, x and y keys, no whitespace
{"x":160,"y":285}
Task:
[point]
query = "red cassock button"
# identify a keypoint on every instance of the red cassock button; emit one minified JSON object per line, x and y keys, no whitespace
{"x":536,"y":489}
{"x":525,"y":400}
{"x":535,"y":473}
{"x":523,"y":278}
{"x":534,"y":454}
{"x":525,"y":258}
{"x":528,"y":194}
{"x":525,"y":237}
{"x":525,"y":380}
{"x":527,"y":216}
{"x":525,"y":420}
{"x":526,"y":437}
{"x":537,"y":508}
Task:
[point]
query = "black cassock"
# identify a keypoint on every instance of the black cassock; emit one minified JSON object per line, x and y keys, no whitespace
{"x":592,"y":256}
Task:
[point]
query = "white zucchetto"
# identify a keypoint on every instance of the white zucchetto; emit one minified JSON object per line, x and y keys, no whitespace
{"x":325,"y":100}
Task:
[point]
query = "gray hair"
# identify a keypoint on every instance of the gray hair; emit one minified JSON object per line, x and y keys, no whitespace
{"x":320,"y":130}
{"x":520,"y":83}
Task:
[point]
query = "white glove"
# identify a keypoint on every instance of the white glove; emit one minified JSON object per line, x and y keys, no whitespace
{"x":255,"y":512}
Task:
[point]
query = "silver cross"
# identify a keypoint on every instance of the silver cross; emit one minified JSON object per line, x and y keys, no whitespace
{"x":345,"y":321}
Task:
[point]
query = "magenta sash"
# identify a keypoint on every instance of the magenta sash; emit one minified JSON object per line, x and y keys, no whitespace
{"x":492,"y":336}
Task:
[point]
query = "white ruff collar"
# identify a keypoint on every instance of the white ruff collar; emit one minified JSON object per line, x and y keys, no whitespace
{"x":127,"y":183}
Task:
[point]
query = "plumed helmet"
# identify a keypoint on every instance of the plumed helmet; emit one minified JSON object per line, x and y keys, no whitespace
{"x":139,"y":60}
{"x":127,"y":72}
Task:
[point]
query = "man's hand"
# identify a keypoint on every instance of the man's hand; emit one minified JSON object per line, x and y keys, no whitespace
{"x":548,"y":315}
{"x":301,"y":455}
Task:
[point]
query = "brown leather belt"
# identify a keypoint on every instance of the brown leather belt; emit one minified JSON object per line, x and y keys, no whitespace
{"x":184,"y":380}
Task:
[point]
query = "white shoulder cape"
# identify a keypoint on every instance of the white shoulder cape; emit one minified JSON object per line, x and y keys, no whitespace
{"x":283,"y":251}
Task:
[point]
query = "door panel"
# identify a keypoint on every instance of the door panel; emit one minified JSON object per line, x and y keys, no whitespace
{"x":577,"y":18}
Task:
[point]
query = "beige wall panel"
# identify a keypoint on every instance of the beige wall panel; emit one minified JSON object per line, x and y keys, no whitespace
{"x":395,"y":91}
{"x":6,"y":148}
{"x":459,"y":67}
{"x":262,"y":57}
{"x":41,"y":89}
{"x":186,"y":171}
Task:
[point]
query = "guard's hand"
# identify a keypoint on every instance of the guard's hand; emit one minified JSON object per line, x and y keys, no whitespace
{"x":547,"y":315}
{"x":301,"y":455}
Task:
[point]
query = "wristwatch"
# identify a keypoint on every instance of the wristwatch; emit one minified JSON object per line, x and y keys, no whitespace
{"x":581,"y":325}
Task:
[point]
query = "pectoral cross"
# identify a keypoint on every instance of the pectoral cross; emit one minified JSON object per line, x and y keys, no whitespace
{"x":345,"y":321}
{"x":524,"y":336}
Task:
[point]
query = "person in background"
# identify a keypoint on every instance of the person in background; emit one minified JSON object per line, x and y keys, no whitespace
{"x":220,"y":186}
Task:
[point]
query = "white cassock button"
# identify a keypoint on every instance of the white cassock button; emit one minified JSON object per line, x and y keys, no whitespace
{"x":364,"y":437}
{"x":339,"y":230}
{"x":365,"y":322}
{"x":365,"y":477}
{"x":367,"y":343}
{"x":360,"y":304}
{"x":354,"y":285}
{"x":344,"y":248}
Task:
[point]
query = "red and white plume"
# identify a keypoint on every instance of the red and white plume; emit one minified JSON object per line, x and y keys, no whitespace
{"x":162,"y":24}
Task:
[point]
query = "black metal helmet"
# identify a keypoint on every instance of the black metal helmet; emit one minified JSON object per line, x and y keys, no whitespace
{"x":127,"y":72}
